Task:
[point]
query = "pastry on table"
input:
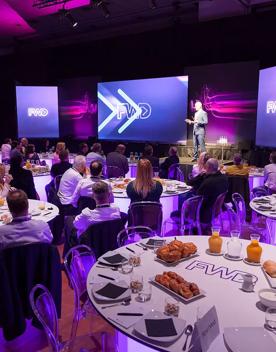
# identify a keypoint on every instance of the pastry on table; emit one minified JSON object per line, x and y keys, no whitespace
{"x":270,"y":268}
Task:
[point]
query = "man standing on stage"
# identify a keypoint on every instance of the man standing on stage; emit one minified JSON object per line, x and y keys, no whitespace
{"x":200,"y":121}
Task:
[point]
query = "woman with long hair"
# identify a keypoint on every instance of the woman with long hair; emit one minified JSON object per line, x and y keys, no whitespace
{"x":59,"y":147}
{"x":199,"y":168}
{"x":144,"y":187}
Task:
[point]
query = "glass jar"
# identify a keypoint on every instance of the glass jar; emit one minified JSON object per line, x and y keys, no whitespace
{"x":254,"y":250}
{"x":234,"y":245}
{"x":215,"y":241}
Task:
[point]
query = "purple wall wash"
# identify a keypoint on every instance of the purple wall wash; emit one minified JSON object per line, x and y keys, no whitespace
{"x":78,"y":107}
{"x":229,"y":95}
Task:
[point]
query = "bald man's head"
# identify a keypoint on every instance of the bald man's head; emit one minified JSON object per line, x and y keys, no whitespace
{"x":212,"y":166}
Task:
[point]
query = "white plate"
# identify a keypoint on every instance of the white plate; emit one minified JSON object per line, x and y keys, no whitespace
{"x":177,"y":261}
{"x":110,"y":254}
{"x":254,"y":339}
{"x":214,"y":254}
{"x":251,"y":263}
{"x":183,"y":299}
{"x":228,"y":257}
{"x":97,"y":286}
{"x":271,"y":280}
{"x":140,"y":327}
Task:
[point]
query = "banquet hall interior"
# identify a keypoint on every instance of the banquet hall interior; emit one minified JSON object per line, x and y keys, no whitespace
{"x":138,"y":175}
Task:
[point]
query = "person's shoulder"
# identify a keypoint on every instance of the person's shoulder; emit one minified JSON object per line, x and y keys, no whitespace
{"x":87,"y":212}
{"x":38,"y":224}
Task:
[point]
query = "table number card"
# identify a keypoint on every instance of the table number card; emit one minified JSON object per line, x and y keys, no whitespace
{"x":205,"y":332}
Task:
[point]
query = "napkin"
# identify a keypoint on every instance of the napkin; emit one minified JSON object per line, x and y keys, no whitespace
{"x":153,"y":242}
{"x":125,"y":321}
{"x":160,"y":327}
{"x":111,"y":291}
{"x":116,"y":258}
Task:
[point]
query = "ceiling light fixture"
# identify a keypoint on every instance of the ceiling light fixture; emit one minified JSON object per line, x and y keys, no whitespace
{"x":103,"y":6}
{"x":70,"y":18}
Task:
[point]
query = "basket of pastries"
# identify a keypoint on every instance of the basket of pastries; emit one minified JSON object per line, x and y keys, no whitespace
{"x":176,"y":251}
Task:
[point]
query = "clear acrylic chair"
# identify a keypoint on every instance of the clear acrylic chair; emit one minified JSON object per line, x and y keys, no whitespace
{"x":233,"y":219}
{"x":78,"y":262}
{"x":240,"y":207}
{"x":175,"y":173}
{"x":217,"y":210}
{"x":43,"y":306}
{"x":259,"y":192}
{"x":133,"y":234}
{"x":146,"y":214}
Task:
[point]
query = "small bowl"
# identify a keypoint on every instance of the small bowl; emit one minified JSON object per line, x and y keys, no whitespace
{"x":268,"y":297}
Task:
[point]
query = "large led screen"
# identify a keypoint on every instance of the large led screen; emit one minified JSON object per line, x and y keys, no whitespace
{"x":266,"y":113}
{"x":37,"y":112}
{"x":143,"y":110}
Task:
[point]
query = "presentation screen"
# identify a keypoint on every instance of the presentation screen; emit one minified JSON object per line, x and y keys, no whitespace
{"x":37,"y":112}
{"x":143,"y":110}
{"x":266,"y":113}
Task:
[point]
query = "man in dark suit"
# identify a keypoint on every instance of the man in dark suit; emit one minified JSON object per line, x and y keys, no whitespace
{"x":200,"y":121}
{"x":118,"y":160}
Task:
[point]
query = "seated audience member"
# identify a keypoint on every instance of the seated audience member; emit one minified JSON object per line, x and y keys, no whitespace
{"x":15,"y":149}
{"x":199,"y":168}
{"x":118,"y":159}
{"x":63,"y":165}
{"x":68,"y":184}
{"x":144,"y":187}
{"x":5,"y":181}
{"x":103,"y":212}
{"x":83,"y":149}
{"x":24,"y":143}
{"x":84,"y":187}
{"x":22,"y":178}
{"x":6,"y":150}
{"x":45,"y":145}
{"x":96,"y":154}
{"x":212,"y":186}
{"x":270,"y":173}
{"x":59,"y":147}
{"x":30,"y":153}
{"x":238,"y":169}
{"x":148,"y":154}
{"x":172,"y":159}
{"x":22,"y":229}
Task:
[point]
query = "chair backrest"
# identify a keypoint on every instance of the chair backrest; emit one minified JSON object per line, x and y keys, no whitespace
{"x":86,"y":202}
{"x":233,"y":218}
{"x":259,"y":192}
{"x":146,"y":214}
{"x":172,"y":172}
{"x":44,"y":308}
{"x":240,"y":207}
{"x":238,"y":184}
{"x":78,"y":262}
{"x":190,"y":211}
{"x":218,"y":205}
{"x":102,"y":237}
{"x":179,"y":175}
{"x":114,"y":171}
{"x":57,"y":180}
{"x":133,"y":234}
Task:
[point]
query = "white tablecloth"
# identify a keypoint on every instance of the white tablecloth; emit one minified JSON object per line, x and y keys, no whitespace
{"x":217,"y":276}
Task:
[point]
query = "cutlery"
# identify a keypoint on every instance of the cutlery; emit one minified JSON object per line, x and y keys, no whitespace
{"x":139,"y":245}
{"x":130,"y":314}
{"x":124,"y":303}
{"x":106,"y":277}
{"x":188,"y":331}
{"x":47,"y":213}
{"x":129,"y":249}
{"x":114,"y":268}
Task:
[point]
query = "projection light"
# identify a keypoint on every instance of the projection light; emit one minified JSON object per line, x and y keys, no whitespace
{"x":102,"y":5}
{"x":71,"y":19}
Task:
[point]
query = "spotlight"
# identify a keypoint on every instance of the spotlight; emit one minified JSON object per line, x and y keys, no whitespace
{"x":152,"y":4}
{"x":102,"y":5}
{"x":71,"y":19}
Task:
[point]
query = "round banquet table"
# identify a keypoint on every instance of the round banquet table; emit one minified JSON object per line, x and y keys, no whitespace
{"x":169,"y":200}
{"x":218,"y":277}
{"x":270,"y":214}
{"x":45,"y":215}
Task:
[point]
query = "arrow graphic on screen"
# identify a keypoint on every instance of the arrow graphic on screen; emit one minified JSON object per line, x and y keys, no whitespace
{"x":134,"y":105}
{"x":109,"y":117}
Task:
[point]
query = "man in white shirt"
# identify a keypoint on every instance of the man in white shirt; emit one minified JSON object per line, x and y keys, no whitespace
{"x":84,"y":187}
{"x":22,"y":229}
{"x":270,"y":173}
{"x":68,"y":184}
{"x":6,"y":150}
{"x":103,"y":212}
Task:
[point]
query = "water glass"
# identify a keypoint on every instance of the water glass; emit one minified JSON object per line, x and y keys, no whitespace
{"x":41,"y":206}
{"x":134,"y":259}
{"x":126,"y":268}
{"x":172,"y":307}
{"x":270,"y":318}
{"x":145,"y":294}
{"x":136,"y":283}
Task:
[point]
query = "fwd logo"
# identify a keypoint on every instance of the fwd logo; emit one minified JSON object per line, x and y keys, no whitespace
{"x":128,"y":110}
{"x":222,"y":271}
{"x":37,"y":112}
{"x":271,"y":106}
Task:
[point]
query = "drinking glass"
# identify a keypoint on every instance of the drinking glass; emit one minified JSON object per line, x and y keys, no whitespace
{"x":172,"y":307}
{"x":234,"y":245}
{"x":145,"y":294}
{"x":135,"y":259}
{"x":41,"y":206}
{"x":126,"y":268}
{"x":270,"y":318}
{"x":136,"y":283}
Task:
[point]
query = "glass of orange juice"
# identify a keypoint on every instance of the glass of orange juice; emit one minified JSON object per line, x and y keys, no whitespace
{"x":2,"y":201}
{"x":41,"y":205}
